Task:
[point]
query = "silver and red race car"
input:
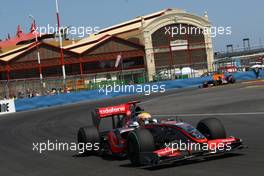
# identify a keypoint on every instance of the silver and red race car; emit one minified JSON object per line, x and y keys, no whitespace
{"x":116,"y":131}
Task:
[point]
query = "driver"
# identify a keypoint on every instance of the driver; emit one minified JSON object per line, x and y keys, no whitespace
{"x":145,"y":118}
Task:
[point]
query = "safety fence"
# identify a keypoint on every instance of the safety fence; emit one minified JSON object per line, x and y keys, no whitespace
{"x":182,"y":71}
{"x":28,"y":88}
{"x":47,"y":101}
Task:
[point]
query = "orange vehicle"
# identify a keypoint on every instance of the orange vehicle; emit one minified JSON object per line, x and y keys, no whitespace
{"x":218,"y":76}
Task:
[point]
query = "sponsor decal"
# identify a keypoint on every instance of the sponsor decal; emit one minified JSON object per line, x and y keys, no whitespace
{"x":112,"y":110}
{"x":7,"y":106}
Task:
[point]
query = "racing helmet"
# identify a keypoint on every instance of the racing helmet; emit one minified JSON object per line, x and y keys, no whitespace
{"x":143,"y":117}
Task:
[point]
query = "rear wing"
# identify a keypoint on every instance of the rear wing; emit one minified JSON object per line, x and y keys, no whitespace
{"x":110,"y":112}
{"x":123,"y":109}
{"x":113,"y":110}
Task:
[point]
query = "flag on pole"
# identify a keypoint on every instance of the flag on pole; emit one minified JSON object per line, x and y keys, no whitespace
{"x":118,"y":59}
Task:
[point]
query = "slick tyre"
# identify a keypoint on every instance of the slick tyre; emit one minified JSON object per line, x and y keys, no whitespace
{"x":139,"y":142}
{"x":89,"y":136}
{"x":212,"y":128}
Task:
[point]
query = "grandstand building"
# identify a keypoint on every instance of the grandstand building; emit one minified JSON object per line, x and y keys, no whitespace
{"x":144,"y":45}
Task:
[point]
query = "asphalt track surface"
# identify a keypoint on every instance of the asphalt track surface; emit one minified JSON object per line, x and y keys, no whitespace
{"x":239,"y":107}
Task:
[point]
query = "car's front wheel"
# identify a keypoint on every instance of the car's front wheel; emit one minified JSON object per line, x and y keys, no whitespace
{"x":139,"y":142}
{"x":212,"y":128}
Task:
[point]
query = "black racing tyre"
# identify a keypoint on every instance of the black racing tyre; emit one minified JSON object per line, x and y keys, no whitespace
{"x":231,"y":79}
{"x":216,"y":83}
{"x":211,"y":128}
{"x":138,"y":142}
{"x":89,"y":135}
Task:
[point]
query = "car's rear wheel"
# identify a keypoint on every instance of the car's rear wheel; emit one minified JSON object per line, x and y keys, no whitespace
{"x":212,"y":128}
{"x":139,"y":142}
{"x":89,"y":136}
{"x":231,"y":79}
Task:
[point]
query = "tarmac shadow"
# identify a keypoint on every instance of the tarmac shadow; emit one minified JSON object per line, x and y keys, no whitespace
{"x":104,"y":157}
{"x":187,"y":162}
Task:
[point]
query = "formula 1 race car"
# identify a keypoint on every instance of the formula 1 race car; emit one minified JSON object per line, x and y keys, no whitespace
{"x":219,"y":79}
{"x":156,"y":141}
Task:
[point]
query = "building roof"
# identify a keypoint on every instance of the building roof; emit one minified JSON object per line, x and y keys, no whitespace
{"x":10,"y":55}
{"x":65,"y":43}
{"x":19,"y":37}
{"x":11,"y":49}
{"x":7,"y":56}
{"x":82,"y":47}
{"x":134,"y":24}
{"x":91,"y":39}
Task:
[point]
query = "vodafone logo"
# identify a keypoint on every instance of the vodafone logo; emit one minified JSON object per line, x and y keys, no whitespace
{"x":111,"y":110}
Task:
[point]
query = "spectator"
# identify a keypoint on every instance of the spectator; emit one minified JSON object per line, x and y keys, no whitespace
{"x":257,"y":72}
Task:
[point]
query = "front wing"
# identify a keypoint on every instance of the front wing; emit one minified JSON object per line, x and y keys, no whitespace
{"x":166,"y":155}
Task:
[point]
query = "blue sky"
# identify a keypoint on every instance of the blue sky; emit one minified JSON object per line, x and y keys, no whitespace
{"x":245,"y":17}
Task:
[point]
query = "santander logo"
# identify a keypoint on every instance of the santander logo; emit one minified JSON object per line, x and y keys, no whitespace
{"x":112,"y":110}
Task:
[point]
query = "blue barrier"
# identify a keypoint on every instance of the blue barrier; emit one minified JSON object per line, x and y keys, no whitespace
{"x":240,"y":76}
{"x":47,"y":101}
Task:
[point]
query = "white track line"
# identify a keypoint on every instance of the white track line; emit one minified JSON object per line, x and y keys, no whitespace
{"x":209,"y":114}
